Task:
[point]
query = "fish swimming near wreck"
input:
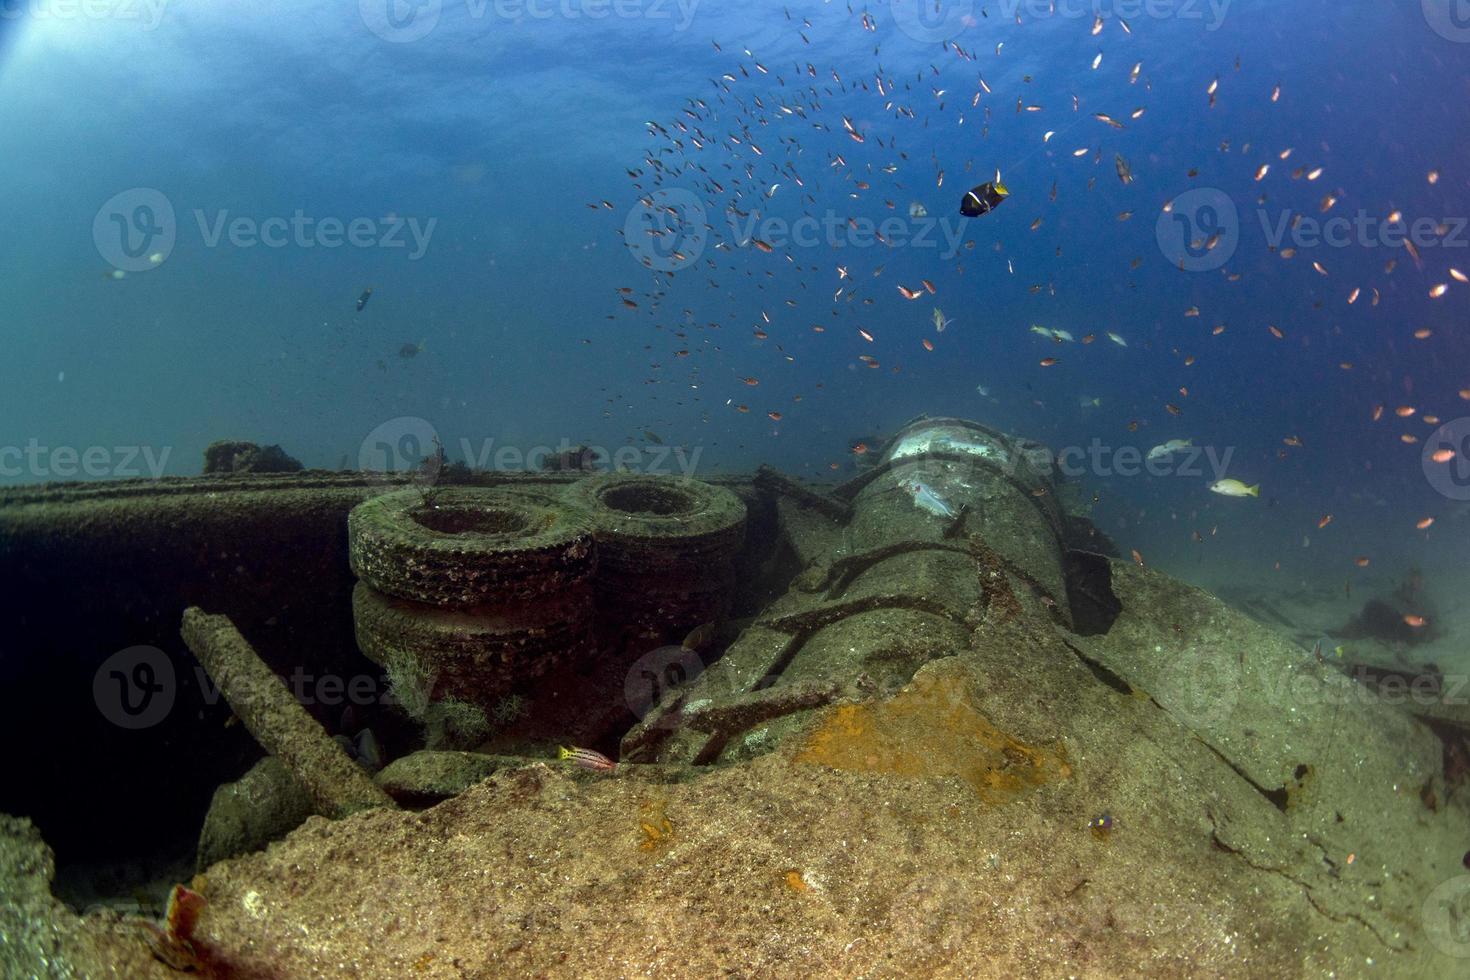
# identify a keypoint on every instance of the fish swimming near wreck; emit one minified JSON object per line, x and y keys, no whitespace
{"x":586,"y":759}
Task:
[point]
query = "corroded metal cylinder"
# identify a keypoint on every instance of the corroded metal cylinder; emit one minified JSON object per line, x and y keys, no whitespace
{"x":466,"y":592}
{"x":666,"y":550}
{"x":954,"y":520}
{"x":965,"y":479}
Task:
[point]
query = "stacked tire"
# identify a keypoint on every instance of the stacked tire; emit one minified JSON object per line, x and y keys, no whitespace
{"x":472,"y":590}
{"x":666,"y":549}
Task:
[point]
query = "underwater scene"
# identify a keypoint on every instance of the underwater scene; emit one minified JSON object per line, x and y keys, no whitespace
{"x":686,"y":488}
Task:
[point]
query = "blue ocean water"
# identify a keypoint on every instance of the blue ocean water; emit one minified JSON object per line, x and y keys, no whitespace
{"x":164,"y":140}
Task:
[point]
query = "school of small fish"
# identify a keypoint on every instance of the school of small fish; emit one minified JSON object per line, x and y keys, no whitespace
{"x":857,"y":143}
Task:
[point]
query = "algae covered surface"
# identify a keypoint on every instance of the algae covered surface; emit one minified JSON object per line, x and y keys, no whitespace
{"x":884,"y":844}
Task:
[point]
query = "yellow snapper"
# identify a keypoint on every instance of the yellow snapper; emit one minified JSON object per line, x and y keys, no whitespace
{"x":1234,"y":488}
